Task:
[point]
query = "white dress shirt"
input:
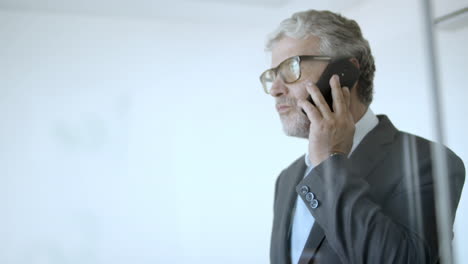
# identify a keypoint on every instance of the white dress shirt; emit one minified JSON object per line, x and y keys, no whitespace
{"x":302,"y":219}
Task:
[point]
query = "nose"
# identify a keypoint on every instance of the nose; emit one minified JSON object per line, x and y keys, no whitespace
{"x":278,"y":88}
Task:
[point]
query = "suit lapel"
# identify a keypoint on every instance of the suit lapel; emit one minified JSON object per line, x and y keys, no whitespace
{"x":372,"y":149}
{"x":295,"y":175}
{"x":313,"y":243}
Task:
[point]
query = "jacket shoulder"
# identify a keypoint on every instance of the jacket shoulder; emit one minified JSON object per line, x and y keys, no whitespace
{"x":427,"y":152}
{"x":428,"y":147}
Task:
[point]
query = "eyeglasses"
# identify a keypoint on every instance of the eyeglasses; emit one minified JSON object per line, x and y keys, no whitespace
{"x":289,"y":70}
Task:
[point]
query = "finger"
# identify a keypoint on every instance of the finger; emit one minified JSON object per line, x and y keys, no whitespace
{"x":312,"y":112}
{"x":320,"y":103}
{"x":339,"y":103}
{"x":347,"y":96}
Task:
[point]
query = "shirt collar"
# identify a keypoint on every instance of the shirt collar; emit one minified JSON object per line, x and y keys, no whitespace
{"x":367,"y":122}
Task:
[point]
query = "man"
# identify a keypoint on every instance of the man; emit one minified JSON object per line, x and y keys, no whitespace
{"x":364,"y":191}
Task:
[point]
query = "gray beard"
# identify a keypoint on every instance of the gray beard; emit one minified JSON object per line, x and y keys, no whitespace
{"x":296,"y":124}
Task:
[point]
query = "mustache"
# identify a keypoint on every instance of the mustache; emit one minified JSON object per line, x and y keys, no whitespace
{"x":287,"y":101}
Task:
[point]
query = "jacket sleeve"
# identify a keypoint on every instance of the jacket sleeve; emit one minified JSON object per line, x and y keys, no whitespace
{"x":362,"y":231}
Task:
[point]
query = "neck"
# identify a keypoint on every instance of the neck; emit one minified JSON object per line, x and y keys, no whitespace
{"x":358,"y":110}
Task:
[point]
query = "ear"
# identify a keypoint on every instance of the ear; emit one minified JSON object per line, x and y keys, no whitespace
{"x":355,"y":62}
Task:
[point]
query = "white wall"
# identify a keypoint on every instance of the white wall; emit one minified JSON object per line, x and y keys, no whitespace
{"x":139,"y":141}
{"x":133,"y":142}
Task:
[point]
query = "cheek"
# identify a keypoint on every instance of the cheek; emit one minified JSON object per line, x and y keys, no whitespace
{"x":310,"y":75}
{"x":313,"y":73}
{"x":298,"y":90}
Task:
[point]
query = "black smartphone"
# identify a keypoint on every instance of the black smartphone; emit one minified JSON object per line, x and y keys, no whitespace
{"x":345,"y":69}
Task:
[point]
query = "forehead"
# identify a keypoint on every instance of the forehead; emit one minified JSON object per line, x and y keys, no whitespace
{"x":287,"y":47}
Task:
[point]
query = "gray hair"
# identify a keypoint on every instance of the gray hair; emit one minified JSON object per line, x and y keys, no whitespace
{"x":339,"y":37}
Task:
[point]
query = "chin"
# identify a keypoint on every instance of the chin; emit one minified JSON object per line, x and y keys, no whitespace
{"x":296,"y":125}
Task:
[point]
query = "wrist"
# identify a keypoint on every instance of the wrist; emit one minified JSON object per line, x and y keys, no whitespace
{"x":317,"y":159}
{"x":334,"y":153}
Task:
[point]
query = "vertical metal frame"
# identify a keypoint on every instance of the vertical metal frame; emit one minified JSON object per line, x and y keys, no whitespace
{"x":442,"y":200}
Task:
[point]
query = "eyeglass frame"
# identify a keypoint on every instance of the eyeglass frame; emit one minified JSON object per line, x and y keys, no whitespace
{"x":300,"y":58}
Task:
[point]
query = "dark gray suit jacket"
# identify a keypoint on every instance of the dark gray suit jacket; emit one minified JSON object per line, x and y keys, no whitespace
{"x":375,"y":207}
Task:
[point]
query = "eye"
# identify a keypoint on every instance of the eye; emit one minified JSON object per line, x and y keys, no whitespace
{"x":290,"y":70}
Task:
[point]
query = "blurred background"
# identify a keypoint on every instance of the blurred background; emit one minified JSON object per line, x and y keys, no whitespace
{"x":138,"y":132}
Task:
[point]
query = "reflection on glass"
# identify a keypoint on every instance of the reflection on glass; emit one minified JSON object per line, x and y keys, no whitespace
{"x":364,"y":192}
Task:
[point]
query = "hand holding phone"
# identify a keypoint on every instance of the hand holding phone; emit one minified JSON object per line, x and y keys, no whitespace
{"x":346,"y":71}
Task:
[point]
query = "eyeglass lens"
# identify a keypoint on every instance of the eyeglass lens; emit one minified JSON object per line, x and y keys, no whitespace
{"x":289,"y":70}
